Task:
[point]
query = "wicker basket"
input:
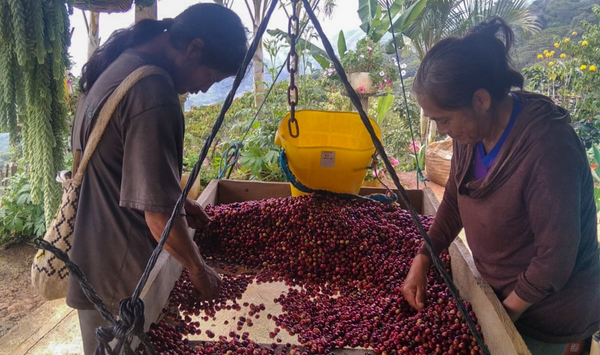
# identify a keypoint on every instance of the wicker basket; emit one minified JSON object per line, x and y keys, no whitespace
{"x":437,"y":161}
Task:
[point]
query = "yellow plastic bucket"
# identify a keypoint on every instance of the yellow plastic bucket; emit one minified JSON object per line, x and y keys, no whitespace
{"x":332,"y":150}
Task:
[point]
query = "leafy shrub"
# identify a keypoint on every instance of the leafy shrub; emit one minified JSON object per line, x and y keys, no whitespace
{"x":20,"y":219}
{"x":567,"y":72}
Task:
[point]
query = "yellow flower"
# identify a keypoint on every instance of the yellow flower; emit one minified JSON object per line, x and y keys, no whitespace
{"x":563,"y":55}
{"x":556,"y":45}
{"x":548,"y":55}
{"x":592,"y":68}
{"x":584,"y":43}
{"x":567,"y":40}
{"x":540,"y":56}
{"x":550,"y":64}
{"x":545,"y":51}
{"x":583,"y":67}
{"x":574,"y":34}
{"x":552,"y":53}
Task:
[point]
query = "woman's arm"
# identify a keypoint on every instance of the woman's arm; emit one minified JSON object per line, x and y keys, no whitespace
{"x":515,"y":306}
{"x":446,"y":226}
{"x":447,"y":222}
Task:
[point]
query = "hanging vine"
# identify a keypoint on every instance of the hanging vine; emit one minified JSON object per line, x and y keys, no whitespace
{"x":34,"y":38}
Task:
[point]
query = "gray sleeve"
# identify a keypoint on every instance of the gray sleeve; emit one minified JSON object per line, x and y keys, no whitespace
{"x":152,"y":159}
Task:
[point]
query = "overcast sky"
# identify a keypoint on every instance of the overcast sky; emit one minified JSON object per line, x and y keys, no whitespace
{"x":344,"y":18}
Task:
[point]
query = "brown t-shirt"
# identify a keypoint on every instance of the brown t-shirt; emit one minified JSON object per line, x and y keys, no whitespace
{"x":531,"y":223}
{"x":136,"y":167}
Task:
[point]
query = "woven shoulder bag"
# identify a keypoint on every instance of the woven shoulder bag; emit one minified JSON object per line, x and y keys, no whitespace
{"x":48,"y":274}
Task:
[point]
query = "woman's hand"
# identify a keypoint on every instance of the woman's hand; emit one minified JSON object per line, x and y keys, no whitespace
{"x":515,"y":306}
{"x":195,"y":215}
{"x":415,"y":285}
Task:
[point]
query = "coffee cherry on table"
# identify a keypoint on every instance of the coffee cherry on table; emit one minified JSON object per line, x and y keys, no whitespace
{"x":345,"y":262}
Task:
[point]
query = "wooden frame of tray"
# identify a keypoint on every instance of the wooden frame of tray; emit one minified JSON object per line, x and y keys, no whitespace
{"x":500,"y":335}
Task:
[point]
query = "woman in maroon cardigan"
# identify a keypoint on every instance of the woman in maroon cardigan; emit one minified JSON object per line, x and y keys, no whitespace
{"x":520,"y":185}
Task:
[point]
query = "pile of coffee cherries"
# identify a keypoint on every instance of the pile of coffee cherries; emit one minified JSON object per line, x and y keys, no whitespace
{"x":344,"y":262}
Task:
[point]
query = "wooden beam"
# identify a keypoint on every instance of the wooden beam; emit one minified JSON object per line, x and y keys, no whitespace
{"x":93,"y":32}
{"x":143,"y":13}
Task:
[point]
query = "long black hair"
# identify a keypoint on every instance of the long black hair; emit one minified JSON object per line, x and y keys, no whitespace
{"x":455,"y":68}
{"x":221,"y":30}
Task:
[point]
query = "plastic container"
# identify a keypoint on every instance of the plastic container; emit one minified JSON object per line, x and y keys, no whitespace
{"x":332,"y":151}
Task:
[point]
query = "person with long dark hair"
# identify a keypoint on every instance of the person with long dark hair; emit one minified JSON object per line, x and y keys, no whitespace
{"x":132,"y":182}
{"x":521,"y":187}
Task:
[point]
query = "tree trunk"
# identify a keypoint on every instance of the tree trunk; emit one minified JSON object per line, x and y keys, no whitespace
{"x":143,"y":13}
{"x":93,"y":33}
{"x":259,"y":73}
{"x":364,"y":102}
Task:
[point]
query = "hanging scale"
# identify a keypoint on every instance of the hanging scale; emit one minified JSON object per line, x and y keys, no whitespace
{"x":292,"y":66}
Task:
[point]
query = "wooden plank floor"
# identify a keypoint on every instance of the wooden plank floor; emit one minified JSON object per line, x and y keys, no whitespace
{"x":52,"y":329}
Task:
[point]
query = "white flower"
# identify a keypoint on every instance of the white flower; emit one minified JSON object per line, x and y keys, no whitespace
{"x":381,"y":73}
{"x":362,"y":56}
{"x":394,"y":61}
{"x":403,"y":72}
{"x":369,"y":48}
{"x":346,"y":52}
{"x":403,"y":66}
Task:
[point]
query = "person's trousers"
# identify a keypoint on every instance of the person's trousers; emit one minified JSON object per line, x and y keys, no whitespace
{"x":540,"y":348}
{"x":89,"y":321}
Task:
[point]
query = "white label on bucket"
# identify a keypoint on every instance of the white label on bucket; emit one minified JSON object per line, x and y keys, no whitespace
{"x":327,"y":159}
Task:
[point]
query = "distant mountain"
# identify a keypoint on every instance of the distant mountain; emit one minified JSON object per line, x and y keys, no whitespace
{"x":4,"y":149}
{"x":219,"y":91}
{"x":557,"y":18}
{"x":4,"y":145}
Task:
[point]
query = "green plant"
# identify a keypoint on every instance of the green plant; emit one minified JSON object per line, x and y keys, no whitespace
{"x":34,"y":37}
{"x":20,"y":218}
{"x":568,"y":73}
{"x":384,"y":104}
{"x":375,"y":24}
{"x":378,"y":170}
{"x":370,"y":58}
{"x":595,"y":174}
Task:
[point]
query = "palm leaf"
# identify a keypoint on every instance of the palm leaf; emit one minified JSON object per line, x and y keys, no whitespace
{"x":302,"y":43}
{"x":444,"y":18}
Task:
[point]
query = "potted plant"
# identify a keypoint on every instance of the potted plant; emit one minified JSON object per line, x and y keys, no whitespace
{"x":369,"y":69}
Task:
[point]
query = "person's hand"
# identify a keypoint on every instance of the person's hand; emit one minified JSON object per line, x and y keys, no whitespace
{"x":415,"y":284}
{"x":515,"y":306}
{"x":195,"y":215}
{"x":207,"y":282}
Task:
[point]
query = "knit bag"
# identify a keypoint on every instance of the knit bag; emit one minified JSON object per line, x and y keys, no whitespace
{"x":48,"y":274}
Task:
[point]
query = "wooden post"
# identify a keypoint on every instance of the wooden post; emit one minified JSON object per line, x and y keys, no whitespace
{"x":364,"y":102}
{"x":93,"y":33}
{"x":143,"y":13}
